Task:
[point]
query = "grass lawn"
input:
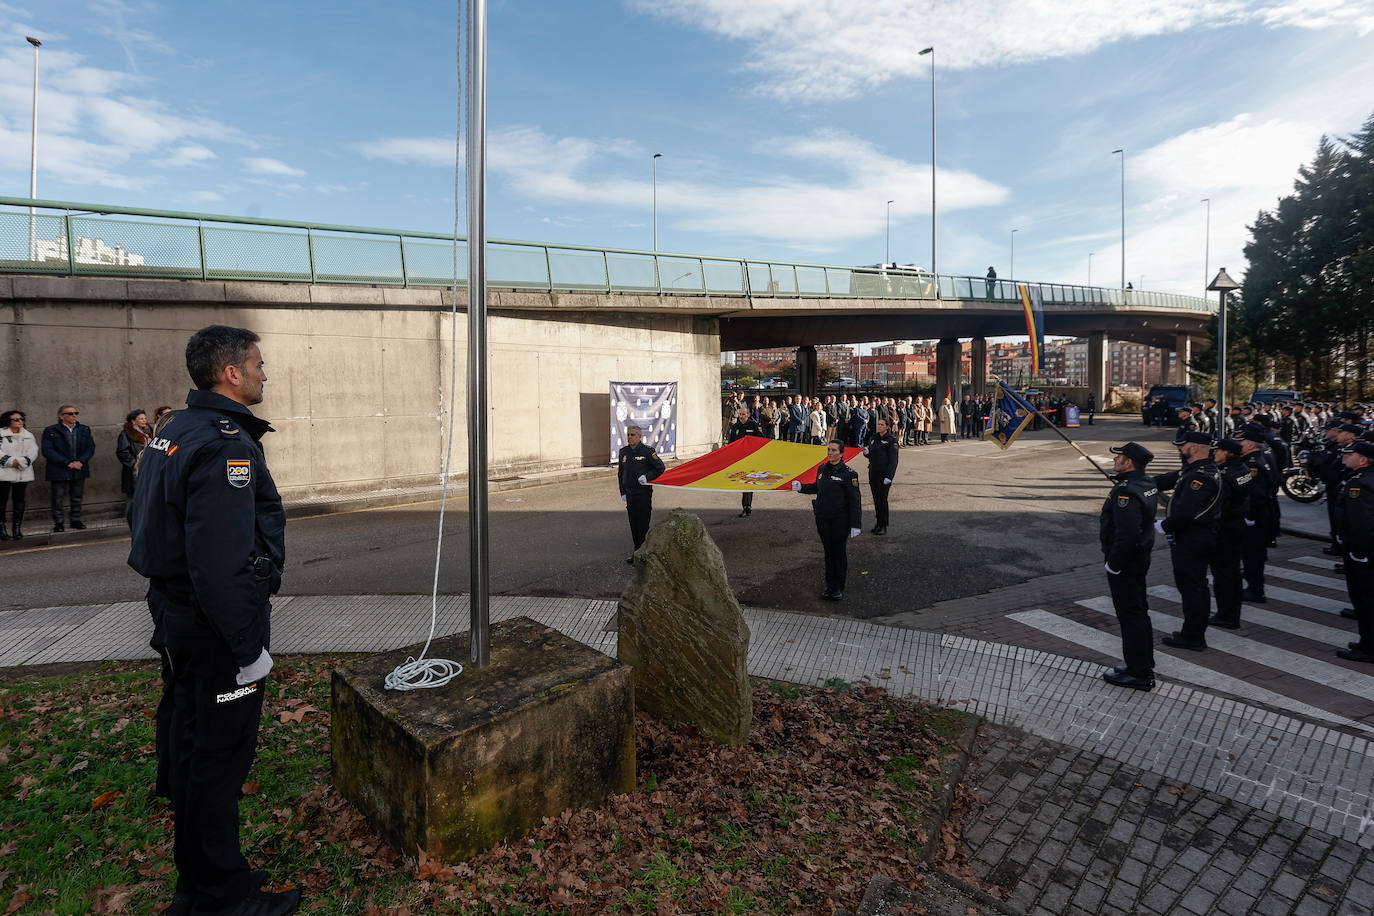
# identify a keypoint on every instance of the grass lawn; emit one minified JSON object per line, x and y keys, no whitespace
{"x":834,"y":786}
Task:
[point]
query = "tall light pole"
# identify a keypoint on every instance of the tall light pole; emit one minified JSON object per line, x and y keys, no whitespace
{"x":1122,"y":151}
{"x":931,"y":52}
{"x":1013,"y":254}
{"x":1090,"y":267}
{"x":1207,"y":241}
{"x":479,"y":560}
{"x":33,"y":154}
{"x":1223,"y":284}
{"x":888,"y":259}
{"x":657,"y":156}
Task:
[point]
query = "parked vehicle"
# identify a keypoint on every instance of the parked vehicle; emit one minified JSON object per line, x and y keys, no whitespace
{"x":1175,"y":396}
{"x":1270,"y":395}
{"x":844,"y":381}
{"x":773,"y":382}
{"x":869,"y":383}
{"x":1298,"y":481}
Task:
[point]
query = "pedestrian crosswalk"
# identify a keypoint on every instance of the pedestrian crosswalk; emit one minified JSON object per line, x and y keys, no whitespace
{"x":1282,"y":657}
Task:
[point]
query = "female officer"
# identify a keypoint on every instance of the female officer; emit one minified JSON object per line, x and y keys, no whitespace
{"x":881,"y":450}
{"x":837,"y":506}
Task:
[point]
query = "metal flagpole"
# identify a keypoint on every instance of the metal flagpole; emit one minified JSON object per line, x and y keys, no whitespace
{"x":480,"y":601}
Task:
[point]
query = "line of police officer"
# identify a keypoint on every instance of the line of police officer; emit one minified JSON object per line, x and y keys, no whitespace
{"x":1223,"y":516}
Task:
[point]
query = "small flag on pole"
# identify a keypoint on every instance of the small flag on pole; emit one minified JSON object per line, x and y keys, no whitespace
{"x":750,"y":464}
{"x":1009,"y":415}
{"x":1034,"y":308}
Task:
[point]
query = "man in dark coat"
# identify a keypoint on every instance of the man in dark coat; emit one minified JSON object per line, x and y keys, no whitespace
{"x":1191,"y":527}
{"x":639,"y":464}
{"x":67,"y":447}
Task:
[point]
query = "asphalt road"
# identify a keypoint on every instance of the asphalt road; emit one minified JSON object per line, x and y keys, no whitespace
{"x":966,"y":518}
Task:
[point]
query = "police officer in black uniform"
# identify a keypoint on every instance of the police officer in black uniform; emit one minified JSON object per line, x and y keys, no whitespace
{"x":1355,"y":530}
{"x":1126,"y":530}
{"x":1191,"y":527}
{"x":1262,"y":510}
{"x":1237,"y":487}
{"x":838,"y":508}
{"x":208,"y":533}
{"x":882,"y":468}
{"x":1330,"y":466}
{"x":639,"y":464}
{"x":744,"y":425}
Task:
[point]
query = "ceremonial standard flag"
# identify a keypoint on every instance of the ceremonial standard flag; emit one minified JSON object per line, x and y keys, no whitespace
{"x":652,"y":406}
{"x":1009,"y":415}
{"x":749,"y":464}
{"x":1035,"y":324}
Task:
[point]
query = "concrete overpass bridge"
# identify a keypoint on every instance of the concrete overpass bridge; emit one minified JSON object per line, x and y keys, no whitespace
{"x":97,"y":301}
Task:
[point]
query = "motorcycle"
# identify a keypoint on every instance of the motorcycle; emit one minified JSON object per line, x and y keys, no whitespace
{"x":1298,"y":481}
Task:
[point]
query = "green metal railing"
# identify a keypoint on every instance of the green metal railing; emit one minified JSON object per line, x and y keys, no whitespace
{"x":58,"y":237}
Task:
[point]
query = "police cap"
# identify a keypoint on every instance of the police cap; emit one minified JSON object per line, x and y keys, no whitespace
{"x":1351,"y":428}
{"x":1349,"y":415}
{"x":1361,"y":447}
{"x":1229,"y":445}
{"x":1333,"y":424}
{"x":1136,"y":452}
{"x":1192,"y":436}
{"x":1253,"y":433}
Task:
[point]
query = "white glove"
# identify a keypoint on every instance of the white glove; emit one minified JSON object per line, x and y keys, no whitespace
{"x":1159,"y":525}
{"x":1359,"y":559}
{"x":643,"y":481}
{"x":256,"y":671}
{"x":796,"y":486}
{"x":624,"y":498}
{"x":854,"y":532}
{"x":865,"y":451}
{"x":887,"y":481}
{"x":1110,"y":571}
{"x":1249,"y":523}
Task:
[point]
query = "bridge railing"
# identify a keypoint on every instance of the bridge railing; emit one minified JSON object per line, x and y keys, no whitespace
{"x":58,"y":237}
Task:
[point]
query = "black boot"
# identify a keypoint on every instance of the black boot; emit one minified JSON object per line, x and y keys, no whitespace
{"x":4,"y":535}
{"x":18,"y":533}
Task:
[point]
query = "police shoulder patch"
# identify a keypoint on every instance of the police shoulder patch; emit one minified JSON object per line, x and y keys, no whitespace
{"x":1254,"y":472}
{"x":1123,"y":501}
{"x":239,"y":471}
{"x":1354,"y":492}
{"x":1197,"y":485}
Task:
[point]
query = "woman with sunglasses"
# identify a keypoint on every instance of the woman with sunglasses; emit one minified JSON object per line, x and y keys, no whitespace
{"x":18,"y":449}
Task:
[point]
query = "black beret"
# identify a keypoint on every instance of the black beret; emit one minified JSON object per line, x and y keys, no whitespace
{"x":1136,"y":452}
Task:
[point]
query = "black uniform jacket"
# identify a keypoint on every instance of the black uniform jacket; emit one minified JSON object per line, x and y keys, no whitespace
{"x":1196,"y":504}
{"x":1355,"y":514}
{"x":1126,"y":526}
{"x":638,"y":461}
{"x":207,"y":520}
{"x":837,"y":493}
{"x":739,"y":430}
{"x":1239,"y":486}
{"x":882,"y":456}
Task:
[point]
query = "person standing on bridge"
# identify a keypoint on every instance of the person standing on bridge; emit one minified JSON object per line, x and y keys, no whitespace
{"x":639,"y":464}
{"x":991,"y":282}
{"x":208,"y":532}
{"x":1126,"y":530}
{"x":839,"y":515}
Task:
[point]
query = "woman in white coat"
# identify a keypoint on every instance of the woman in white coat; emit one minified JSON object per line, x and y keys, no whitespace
{"x":948,"y":424}
{"x":18,"y":451}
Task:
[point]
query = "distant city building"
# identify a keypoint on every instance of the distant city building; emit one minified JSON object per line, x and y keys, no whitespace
{"x":88,"y":251}
{"x":841,"y":356}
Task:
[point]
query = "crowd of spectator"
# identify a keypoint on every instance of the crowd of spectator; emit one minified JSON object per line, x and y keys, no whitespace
{"x":851,"y":418}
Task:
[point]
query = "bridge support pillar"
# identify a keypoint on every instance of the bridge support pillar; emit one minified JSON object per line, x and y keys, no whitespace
{"x":978,"y":353}
{"x":808,"y":385}
{"x":1098,"y":351}
{"x":1183,"y":346}
{"x":948,"y":359}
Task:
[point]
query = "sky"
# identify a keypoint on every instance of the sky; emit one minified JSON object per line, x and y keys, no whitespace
{"x":785,"y":126}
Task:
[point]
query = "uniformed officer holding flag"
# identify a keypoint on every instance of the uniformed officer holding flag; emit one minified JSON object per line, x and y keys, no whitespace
{"x":639,"y":464}
{"x":1126,"y":530}
{"x":1355,"y":536}
{"x":838,"y":514}
{"x":1191,"y":527}
{"x":208,"y":528}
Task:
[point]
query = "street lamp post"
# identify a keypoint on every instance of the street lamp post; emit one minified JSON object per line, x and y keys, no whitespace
{"x":931,"y":52}
{"x":1090,"y":267}
{"x":657,"y":156}
{"x":33,"y":155}
{"x":888,"y":259}
{"x":1122,"y":151}
{"x":1223,"y":284}
{"x":1013,"y":254}
{"x":1207,"y":241}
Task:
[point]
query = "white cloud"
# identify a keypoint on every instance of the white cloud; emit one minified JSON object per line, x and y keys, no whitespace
{"x":261,"y":165}
{"x":190,"y":154}
{"x":835,"y":49}
{"x":411,"y":151}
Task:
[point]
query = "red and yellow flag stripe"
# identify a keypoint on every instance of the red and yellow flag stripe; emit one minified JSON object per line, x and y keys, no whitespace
{"x":750,"y":464}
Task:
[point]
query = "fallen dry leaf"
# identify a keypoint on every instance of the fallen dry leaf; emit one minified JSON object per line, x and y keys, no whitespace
{"x":104,"y":799}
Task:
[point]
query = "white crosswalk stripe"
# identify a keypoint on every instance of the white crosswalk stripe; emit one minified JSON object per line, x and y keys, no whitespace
{"x":1175,"y":668}
{"x":1285,"y":623}
{"x":1326,"y":563}
{"x":1302,"y":599}
{"x":1294,"y":663}
{"x":1306,"y":578}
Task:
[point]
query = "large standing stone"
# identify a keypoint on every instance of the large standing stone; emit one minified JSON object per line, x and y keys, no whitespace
{"x":683,"y":634}
{"x":547,"y":725}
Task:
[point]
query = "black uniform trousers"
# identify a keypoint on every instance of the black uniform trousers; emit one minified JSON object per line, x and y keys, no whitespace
{"x":640,"y":507}
{"x":10,"y":490}
{"x":1191,"y":554}
{"x":746,"y":501}
{"x":1254,"y":554}
{"x":834,"y":532}
{"x":162,"y":784}
{"x":1226,"y":577}
{"x":880,"y":490}
{"x":212,"y":738}
{"x":1359,"y":581}
{"x":60,"y":490}
{"x":1133,"y":613}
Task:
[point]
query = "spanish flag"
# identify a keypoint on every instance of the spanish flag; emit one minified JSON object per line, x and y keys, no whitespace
{"x":750,"y":464}
{"x":1034,"y":308}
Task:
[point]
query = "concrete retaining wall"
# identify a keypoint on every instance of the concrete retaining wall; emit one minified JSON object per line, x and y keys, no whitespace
{"x":357,"y":376}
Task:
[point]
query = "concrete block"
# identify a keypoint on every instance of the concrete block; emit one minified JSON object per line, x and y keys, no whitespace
{"x":560,"y":420}
{"x":424,"y":297}
{"x":346,"y":294}
{"x":339,"y":449}
{"x":546,"y":726}
{"x":413,"y":447}
{"x":75,"y":289}
{"x":287,"y":448}
{"x":415,"y":323}
{"x":183,"y":291}
{"x":345,"y":377}
{"x":267,"y":294}
{"x":412,"y":383}
{"x":290,"y":381}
